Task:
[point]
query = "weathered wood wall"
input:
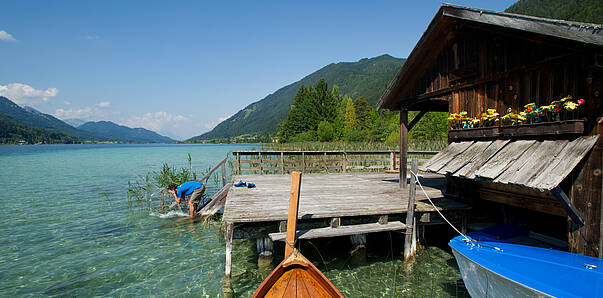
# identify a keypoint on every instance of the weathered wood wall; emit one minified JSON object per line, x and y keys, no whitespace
{"x":482,"y":67}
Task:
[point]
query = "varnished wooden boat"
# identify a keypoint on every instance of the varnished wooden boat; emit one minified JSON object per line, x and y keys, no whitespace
{"x":295,"y":276}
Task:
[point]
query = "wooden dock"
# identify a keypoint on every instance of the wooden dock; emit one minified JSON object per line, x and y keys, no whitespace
{"x":329,"y":196}
{"x":331,"y":205}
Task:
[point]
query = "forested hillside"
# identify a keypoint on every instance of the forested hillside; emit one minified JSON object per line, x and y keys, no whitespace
{"x":587,"y":11}
{"x":367,"y":78}
{"x":41,"y":120}
{"x":15,"y":132}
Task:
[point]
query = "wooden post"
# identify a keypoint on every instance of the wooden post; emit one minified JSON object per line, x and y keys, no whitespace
{"x":358,"y":252}
{"x":292,"y":216}
{"x":303,"y":165}
{"x":228,"y":238}
{"x":392,"y":157}
{"x":238,"y":164}
{"x":403,"y":146}
{"x":264,"y":247}
{"x":335,"y":222}
{"x":345,"y":162}
{"x":410,"y":239}
{"x":325,"y":160}
{"x":223,"y":174}
{"x":260,"y":158}
{"x":282,"y":163}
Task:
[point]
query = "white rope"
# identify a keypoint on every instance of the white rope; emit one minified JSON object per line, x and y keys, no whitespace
{"x":436,"y":208}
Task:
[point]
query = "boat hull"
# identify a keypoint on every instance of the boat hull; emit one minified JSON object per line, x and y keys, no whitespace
{"x":482,"y":282}
{"x":499,"y":269}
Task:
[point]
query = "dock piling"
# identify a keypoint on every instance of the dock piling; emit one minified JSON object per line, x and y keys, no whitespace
{"x":410,"y":241}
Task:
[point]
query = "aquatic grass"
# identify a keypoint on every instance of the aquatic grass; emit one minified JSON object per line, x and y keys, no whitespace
{"x":320,"y":255}
{"x":152,"y":186}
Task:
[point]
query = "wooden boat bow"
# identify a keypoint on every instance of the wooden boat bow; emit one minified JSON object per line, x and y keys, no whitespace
{"x":295,"y":276}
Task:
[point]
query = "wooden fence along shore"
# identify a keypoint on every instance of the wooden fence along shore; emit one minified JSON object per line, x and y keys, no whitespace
{"x":282,"y":162}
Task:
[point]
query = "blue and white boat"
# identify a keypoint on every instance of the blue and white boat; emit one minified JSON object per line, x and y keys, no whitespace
{"x":493,"y":267}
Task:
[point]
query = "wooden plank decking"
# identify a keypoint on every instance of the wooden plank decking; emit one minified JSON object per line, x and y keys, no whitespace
{"x":329,"y":196}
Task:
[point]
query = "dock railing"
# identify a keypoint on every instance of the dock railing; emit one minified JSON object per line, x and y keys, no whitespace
{"x":283,"y":162}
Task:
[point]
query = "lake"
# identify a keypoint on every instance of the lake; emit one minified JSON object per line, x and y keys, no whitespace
{"x":68,"y":230}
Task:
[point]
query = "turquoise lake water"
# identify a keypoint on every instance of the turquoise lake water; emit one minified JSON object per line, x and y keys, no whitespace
{"x":68,"y":230}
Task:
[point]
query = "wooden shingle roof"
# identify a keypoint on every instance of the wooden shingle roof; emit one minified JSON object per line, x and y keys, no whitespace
{"x":540,"y":165}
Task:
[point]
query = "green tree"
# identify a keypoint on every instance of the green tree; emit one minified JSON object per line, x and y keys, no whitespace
{"x":350,"y":115}
{"x":325,"y":132}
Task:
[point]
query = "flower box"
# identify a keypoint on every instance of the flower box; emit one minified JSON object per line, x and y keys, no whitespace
{"x":475,"y":133}
{"x":568,"y":127}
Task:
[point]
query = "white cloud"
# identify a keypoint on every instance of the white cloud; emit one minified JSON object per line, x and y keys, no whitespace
{"x":83,"y":113}
{"x":92,"y":113}
{"x":6,"y":36}
{"x":26,"y":95}
{"x":103,"y":104}
{"x":67,"y":103}
{"x":158,"y":121}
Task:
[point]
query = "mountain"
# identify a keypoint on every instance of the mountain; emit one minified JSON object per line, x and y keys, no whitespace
{"x":40,"y":120}
{"x":588,"y":11}
{"x":74,"y":122}
{"x":15,"y":132}
{"x":367,"y":78}
{"x":114,"y":132}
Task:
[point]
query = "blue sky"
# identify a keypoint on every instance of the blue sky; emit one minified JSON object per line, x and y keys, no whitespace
{"x":180,"y":67}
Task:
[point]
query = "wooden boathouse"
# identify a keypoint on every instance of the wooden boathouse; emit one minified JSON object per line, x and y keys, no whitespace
{"x":546,"y":174}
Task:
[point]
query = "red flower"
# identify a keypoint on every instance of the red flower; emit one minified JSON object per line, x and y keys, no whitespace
{"x":528,"y":110}
{"x":580,"y":101}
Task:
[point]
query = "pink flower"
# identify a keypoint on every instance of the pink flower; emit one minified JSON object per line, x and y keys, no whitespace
{"x":580,"y":101}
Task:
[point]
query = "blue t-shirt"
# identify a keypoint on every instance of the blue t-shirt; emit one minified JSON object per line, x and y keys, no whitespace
{"x":187,"y":188}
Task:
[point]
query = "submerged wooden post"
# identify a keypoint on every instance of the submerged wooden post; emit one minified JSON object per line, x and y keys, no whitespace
{"x":410,"y":239}
{"x":403,"y":146}
{"x":228,"y":238}
{"x":293,"y":208}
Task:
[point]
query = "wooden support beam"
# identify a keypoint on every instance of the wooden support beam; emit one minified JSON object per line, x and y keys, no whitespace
{"x":416,"y":119}
{"x":335,"y":222}
{"x":403,"y":146}
{"x":410,"y":239}
{"x":293,"y":208}
{"x":565,"y":202}
{"x":228,"y":238}
{"x":328,"y":232}
{"x":383,"y":219}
